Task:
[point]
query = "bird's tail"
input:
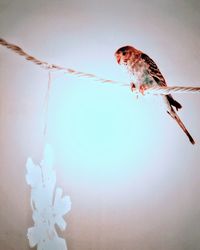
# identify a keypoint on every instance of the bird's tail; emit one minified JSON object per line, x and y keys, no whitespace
{"x":173,"y":102}
{"x":174,"y":115}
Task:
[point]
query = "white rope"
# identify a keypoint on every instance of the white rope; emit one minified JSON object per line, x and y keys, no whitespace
{"x":47,"y":66}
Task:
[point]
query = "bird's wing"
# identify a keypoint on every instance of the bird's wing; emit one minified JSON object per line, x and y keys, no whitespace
{"x":154,"y":70}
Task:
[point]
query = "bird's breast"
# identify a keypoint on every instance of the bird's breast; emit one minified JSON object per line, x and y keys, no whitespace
{"x":141,"y":73}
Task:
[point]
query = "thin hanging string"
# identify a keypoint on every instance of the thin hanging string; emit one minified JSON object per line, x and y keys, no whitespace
{"x":47,"y":66}
{"x":46,"y":104}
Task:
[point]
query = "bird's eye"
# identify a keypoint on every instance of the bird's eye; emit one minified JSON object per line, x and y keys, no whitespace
{"x":124,"y":53}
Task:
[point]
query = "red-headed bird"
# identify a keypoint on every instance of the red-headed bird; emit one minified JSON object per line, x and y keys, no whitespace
{"x":147,"y":74}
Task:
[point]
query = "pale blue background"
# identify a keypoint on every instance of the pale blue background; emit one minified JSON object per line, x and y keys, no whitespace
{"x":131,"y":173}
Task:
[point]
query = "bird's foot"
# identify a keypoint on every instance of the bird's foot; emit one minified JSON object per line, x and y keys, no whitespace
{"x":143,"y":88}
{"x":133,"y":87}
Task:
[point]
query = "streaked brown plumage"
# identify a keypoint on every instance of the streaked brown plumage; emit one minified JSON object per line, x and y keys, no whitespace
{"x":146,"y":73}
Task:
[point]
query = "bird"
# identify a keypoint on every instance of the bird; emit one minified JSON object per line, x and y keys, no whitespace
{"x":145,"y":73}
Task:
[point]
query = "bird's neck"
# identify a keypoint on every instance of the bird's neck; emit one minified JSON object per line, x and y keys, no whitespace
{"x":133,"y":60}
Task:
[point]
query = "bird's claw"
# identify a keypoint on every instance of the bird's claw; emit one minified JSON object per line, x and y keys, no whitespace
{"x":133,"y":87}
{"x":142,"y":89}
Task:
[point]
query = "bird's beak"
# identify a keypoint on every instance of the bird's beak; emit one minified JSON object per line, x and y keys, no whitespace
{"x":118,"y":57}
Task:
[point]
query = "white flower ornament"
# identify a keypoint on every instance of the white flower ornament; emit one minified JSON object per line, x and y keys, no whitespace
{"x":47,"y":204}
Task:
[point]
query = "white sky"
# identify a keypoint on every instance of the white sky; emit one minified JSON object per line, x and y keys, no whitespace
{"x":131,"y":173}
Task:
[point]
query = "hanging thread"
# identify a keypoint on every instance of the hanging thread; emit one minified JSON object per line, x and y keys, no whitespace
{"x":46,"y":104}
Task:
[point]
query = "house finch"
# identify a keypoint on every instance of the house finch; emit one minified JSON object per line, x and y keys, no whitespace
{"x":146,"y":74}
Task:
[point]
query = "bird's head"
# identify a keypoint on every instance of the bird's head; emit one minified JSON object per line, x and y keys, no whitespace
{"x":125,"y":54}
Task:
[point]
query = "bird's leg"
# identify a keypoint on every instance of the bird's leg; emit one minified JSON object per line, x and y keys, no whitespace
{"x":133,"y":87}
{"x":142,"y":88}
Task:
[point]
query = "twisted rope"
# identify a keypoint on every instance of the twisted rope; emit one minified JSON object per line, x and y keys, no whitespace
{"x":47,"y":66}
